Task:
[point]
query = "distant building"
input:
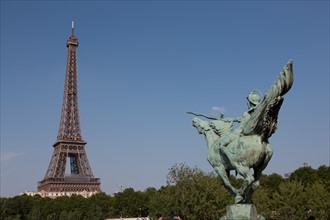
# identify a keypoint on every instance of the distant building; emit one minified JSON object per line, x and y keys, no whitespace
{"x":43,"y":194}
{"x":306,"y":164}
{"x":287,"y":175}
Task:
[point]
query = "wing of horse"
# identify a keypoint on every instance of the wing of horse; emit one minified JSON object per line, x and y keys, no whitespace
{"x":263,"y":120}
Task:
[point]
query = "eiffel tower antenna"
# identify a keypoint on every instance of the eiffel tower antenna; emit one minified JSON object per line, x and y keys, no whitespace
{"x":72,"y":27}
{"x":69,"y":143}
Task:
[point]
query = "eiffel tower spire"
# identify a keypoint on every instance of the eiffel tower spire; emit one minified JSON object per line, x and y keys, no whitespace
{"x":69,"y":143}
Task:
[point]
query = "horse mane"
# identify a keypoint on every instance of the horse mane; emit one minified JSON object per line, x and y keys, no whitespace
{"x":221,"y":127}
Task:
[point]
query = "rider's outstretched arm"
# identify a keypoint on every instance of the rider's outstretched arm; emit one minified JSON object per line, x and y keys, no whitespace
{"x":203,"y":115}
{"x":238,"y":119}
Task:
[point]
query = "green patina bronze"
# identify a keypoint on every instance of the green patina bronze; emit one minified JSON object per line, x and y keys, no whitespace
{"x":242,"y":212}
{"x":247,"y":146}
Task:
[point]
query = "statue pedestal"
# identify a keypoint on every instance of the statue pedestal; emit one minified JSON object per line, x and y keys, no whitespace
{"x":242,"y":212}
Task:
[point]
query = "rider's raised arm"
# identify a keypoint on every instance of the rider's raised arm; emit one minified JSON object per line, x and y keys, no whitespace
{"x":203,"y":115}
{"x":238,"y":119}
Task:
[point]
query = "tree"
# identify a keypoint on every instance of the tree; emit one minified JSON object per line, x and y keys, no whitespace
{"x":63,"y":215}
{"x":195,"y":194}
{"x":189,"y":191}
{"x":9,"y":208}
{"x":290,"y":200}
{"x":94,"y":212}
{"x":130,"y":204}
{"x":318,"y":204}
{"x":13,"y":217}
{"x":103,"y":201}
{"x":265,"y":205}
{"x":271,"y":182}
{"x":35,"y":214}
{"x":162,"y":202}
{"x":185,"y":180}
{"x":323,"y":173}
{"x":211,"y":198}
{"x":304,"y":174}
{"x":75,"y":215}
{"x":52,"y":216}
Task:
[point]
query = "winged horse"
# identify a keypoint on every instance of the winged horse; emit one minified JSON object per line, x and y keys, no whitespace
{"x":247,"y":147}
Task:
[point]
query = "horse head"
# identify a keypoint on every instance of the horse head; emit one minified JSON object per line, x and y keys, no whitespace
{"x":203,"y":127}
{"x":200,"y":125}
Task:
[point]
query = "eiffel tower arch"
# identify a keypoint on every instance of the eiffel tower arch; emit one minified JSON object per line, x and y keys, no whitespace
{"x":69,"y":148}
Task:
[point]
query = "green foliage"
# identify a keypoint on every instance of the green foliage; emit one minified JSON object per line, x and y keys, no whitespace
{"x":195,"y":194}
{"x":290,"y":200}
{"x":318,"y":203}
{"x":164,"y":201}
{"x":263,"y":203}
{"x":211,"y":198}
{"x":271,"y":182}
{"x":304,"y":174}
{"x":297,"y":200}
{"x":93,"y":213}
{"x":323,"y":174}
{"x":104,"y":202}
{"x":130,"y":204}
{"x":189,"y":191}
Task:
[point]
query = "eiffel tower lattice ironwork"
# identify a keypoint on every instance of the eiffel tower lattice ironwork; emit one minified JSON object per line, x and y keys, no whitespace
{"x":69,"y":144}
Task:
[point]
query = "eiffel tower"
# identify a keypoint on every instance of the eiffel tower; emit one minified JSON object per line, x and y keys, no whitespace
{"x":69,"y":145}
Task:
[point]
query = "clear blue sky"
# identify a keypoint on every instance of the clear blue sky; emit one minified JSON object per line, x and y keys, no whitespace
{"x":142,"y":65}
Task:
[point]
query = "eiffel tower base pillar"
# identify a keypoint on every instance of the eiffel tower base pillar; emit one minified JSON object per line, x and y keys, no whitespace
{"x":70,"y":184}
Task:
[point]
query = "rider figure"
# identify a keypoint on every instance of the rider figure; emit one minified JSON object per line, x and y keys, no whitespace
{"x":253,"y":99}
